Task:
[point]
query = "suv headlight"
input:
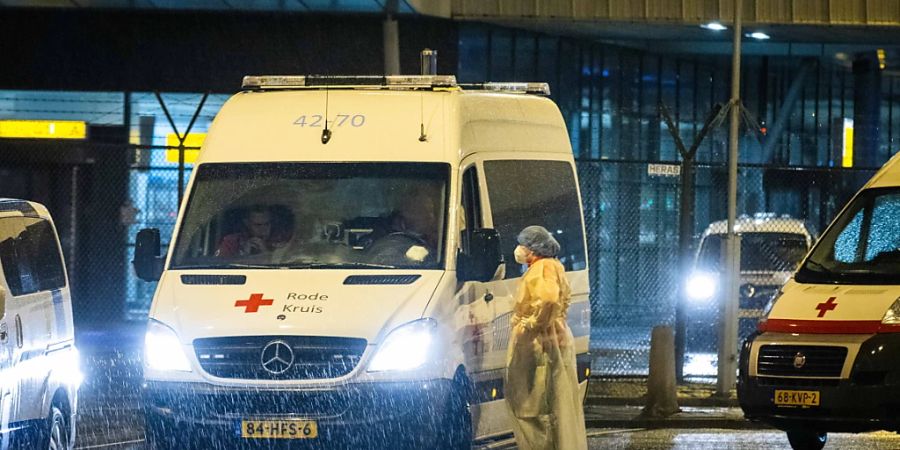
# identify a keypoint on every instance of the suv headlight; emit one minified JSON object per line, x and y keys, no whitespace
{"x":407,"y":347}
{"x":892,"y":315}
{"x":701,"y":286}
{"x":162,"y":349}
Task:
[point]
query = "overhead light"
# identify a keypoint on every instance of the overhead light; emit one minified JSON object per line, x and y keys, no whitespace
{"x":758,"y":35}
{"x":714,"y":26}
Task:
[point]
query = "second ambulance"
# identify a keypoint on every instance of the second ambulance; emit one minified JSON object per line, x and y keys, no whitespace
{"x":826,"y":355}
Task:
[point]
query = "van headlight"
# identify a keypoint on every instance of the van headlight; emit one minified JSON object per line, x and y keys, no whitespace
{"x":407,"y":347}
{"x":162,"y":350}
{"x":892,"y":315}
{"x":701,"y":286}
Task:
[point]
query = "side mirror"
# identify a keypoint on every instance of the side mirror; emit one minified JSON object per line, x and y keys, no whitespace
{"x":148,"y":264}
{"x":480,"y":263}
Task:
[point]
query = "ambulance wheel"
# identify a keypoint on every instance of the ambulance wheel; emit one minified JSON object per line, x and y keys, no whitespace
{"x":58,"y":432}
{"x":459,"y":419}
{"x":807,"y":440}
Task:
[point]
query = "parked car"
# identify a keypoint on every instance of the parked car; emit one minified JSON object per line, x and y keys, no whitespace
{"x":771,"y":248}
{"x":39,"y":364}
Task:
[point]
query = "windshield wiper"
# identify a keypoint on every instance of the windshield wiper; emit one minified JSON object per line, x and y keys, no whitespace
{"x":820,"y":268}
{"x":340,"y":265}
{"x":230,"y":266}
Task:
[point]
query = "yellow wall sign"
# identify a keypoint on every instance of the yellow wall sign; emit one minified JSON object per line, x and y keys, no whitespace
{"x":847,"y":153}
{"x":190,"y":155}
{"x":43,"y":129}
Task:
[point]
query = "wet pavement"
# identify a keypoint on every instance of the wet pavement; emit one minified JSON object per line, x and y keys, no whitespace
{"x":110,"y":410}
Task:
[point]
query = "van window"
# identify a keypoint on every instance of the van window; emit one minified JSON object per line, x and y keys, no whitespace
{"x":532,"y":192}
{"x":471,"y":205}
{"x":30,"y":255}
{"x":863,"y":245}
{"x":315,"y":215}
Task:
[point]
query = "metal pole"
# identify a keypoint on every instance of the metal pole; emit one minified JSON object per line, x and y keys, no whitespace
{"x":727,"y":365}
{"x":391,"y":39}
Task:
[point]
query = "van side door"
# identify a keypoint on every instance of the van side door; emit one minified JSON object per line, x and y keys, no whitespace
{"x":541,"y":189}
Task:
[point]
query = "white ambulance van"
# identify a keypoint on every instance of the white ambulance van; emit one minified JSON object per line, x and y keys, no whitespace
{"x":342,"y":270}
{"x":39,"y":364}
{"x":827,"y":355}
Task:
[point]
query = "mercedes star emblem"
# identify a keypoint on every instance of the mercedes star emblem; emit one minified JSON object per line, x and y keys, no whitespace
{"x":799,"y":360}
{"x":277,"y":357}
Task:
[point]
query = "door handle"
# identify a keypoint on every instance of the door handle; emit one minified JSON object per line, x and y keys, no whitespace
{"x":20,"y":337}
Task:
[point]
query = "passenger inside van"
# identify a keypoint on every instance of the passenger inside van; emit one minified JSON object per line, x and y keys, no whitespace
{"x":264,"y":228}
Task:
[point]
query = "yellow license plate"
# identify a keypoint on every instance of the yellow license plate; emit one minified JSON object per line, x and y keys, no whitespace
{"x":279,"y":429}
{"x":796,"y":398}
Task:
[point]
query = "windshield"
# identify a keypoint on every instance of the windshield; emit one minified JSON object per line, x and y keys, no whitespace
{"x":863,"y":245}
{"x":763,"y":252}
{"x":315,"y":215}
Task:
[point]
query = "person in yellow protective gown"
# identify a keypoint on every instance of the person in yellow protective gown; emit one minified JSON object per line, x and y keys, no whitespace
{"x":541,"y":385}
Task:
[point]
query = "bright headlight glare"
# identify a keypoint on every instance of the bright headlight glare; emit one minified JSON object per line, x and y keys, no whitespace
{"x":162,"y":350}
{"x":892,"y":316}
{"x":407,"y":347}
{"x":701,"y":286}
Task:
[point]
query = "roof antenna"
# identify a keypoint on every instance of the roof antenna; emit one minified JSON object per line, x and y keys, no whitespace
{"x":428,"y":66}
{"x":422,"y":136}
{"x":326,"y":133}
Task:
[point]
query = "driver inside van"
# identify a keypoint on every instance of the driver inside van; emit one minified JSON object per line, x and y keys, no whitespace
{"x":260,"y":234}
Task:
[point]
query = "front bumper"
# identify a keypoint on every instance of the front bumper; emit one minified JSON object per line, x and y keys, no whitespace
{"x":868,"y":400}
{"x":360,"y":415}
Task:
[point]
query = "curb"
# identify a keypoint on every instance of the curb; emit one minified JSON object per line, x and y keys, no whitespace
{"x":675,"y":422}
{"x":690,"y":401}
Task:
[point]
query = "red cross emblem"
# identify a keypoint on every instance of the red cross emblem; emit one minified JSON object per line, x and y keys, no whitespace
{"x":253,"y":303}
{"x":829,"y":305}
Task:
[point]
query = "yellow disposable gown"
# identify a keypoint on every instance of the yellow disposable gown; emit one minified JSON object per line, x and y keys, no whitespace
{"x":541,"y":378}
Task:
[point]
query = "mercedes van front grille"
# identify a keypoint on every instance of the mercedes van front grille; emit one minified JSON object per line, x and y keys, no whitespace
{"x":801,"y":360}
{"x":279,"y":357}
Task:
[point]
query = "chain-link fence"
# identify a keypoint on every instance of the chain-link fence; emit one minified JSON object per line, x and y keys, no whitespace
{"x":632,"y":212}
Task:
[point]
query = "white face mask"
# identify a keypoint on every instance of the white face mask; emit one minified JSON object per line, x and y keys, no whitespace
{"x":521,"y":254}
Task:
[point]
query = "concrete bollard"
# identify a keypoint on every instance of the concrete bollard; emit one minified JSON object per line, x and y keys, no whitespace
{"x":661,"y":398}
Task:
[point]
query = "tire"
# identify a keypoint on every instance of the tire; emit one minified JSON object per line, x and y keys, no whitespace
{"x":807,"y":440}
{"x":458,"y":421}
{"x":57,"y":431}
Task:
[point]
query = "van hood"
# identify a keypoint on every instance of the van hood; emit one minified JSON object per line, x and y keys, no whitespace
{"x":849,"y":309}
{"x":343,"y":303}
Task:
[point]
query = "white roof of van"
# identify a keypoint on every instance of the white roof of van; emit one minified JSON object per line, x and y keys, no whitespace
{"x":16,"y":207}
{"x":760,"y":224}
{"x":381,"y":125}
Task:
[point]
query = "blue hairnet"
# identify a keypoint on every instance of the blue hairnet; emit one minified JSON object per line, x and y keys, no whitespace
{"x":539,"y":240}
